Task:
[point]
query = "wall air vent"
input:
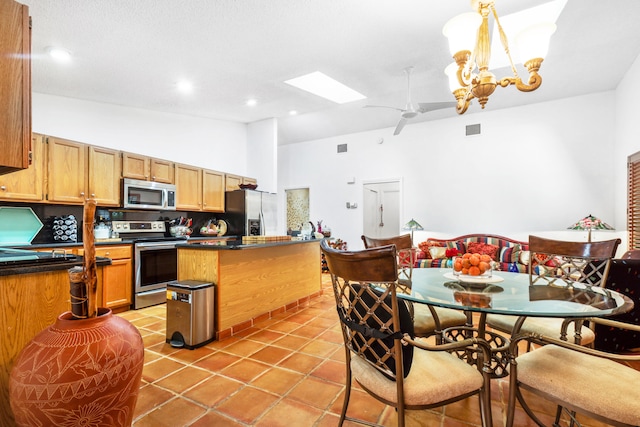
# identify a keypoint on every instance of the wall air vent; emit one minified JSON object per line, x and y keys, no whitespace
{"x":342,"y":148}
{"x":473,"y":129}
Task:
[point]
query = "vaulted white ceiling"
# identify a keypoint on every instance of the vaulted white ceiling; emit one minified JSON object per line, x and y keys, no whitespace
{"x":132,"y":52}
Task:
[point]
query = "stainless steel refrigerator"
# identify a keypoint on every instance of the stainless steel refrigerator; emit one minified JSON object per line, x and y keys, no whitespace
{"x":251,"y":213}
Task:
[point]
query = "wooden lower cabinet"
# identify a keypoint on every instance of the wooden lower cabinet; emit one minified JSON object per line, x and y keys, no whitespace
{"x":117,"y":278}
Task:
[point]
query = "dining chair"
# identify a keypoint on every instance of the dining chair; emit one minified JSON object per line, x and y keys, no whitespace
{"x":632,"y":254}
{"x":561,"y":263}
{"x":381,"y":353}
{"x":580,"y":380}
{"x":427,"y":320}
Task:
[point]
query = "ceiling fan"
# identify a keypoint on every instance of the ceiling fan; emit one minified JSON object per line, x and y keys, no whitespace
{"x":410,"y":111}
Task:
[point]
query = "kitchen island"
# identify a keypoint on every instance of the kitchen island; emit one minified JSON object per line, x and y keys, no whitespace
{"x":253,"y":281}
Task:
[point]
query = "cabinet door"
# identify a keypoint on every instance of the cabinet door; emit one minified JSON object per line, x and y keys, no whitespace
{"x":162,"y":171}
{"x":117,"y":283}
{"x":66,"y":165}
{"x":212,"y":191}
{"x":27,"y":184}
{"x":15,"y":86}
{"x":188,"y":188}
{"x":233,"y":182}
{"x":104,"y":176}
{"x":135,"y":166}
{"x":246,"y":180}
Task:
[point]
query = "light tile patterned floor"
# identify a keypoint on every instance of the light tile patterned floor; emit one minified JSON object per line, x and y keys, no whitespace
{"x":287,"y":371}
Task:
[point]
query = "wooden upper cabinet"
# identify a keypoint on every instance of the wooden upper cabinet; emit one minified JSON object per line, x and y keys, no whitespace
{"x":213,"y":191}
{"x":232,"y":182}
{"x":135,"y":166}
{"x":246,"y":180}
{"x":26,"y":184}
{"x":15,"y":86}
{"x":66,"y":171}
{"x":162,"y":171}
{"x":104,"y":176}
{"x":188,"y":188}
{"x":145,"y":168}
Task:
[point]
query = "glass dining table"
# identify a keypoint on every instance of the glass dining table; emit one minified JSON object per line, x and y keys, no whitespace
{"x":508,"y":294}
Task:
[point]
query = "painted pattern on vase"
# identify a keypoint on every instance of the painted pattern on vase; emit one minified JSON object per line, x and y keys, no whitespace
{"x":79,"y":373}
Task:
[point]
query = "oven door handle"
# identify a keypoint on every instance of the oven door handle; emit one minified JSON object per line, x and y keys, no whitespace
{"x":151,"y":246}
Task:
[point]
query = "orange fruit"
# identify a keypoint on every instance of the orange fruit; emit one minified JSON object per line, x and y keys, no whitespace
{"x":464,"y":271}
{"x":466,"y":263}
{"x":474,"y":271}
{"x":457,"y":266}
{"x":474,"y":259}
{"x":467,"y":255}
{"x":483,"y":266}
{"x":485,"y":258}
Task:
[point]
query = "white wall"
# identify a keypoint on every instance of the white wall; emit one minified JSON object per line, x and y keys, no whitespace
{"x":213,"y":144}
{"x":534,"y":170}
{"x":627,"y":136}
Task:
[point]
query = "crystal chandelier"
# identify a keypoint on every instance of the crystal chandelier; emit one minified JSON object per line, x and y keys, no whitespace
{"x":469,"y":43}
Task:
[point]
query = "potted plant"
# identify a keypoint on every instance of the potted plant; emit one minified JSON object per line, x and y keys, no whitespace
{"x":86,"y":368}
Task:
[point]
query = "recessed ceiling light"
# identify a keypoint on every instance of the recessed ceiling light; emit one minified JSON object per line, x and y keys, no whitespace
{"x":60,"y":55}
{"x":184,"y":86}
{"x":293,"y":113}
{"x":251,"y":102}
{"x":322,"y":85}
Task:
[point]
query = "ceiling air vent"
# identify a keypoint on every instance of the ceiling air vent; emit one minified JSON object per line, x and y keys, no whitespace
{"x":473,"y":129}
{"x":342,"y":148}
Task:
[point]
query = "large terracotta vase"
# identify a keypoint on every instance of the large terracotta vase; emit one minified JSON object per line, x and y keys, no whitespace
{"x":79,"y":373}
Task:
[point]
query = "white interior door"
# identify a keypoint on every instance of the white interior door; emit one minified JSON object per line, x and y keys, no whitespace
{"x":381,"y":210}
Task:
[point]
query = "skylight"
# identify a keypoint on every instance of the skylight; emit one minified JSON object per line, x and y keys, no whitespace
{"x":324,"y":86}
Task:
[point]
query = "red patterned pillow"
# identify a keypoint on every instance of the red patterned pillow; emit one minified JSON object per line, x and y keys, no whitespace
{"x":424,"y":247}
{"x":483,"y":249}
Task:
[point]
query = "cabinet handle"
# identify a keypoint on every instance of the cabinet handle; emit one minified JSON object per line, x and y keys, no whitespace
{"x":153,"y":178}
{"x":93,"y":195}
{"x":82,"y":194}
{"x":107,"y":253}
{"x":3,"y":188}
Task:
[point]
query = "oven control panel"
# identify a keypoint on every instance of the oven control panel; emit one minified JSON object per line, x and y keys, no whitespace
{"x":138,"y":226}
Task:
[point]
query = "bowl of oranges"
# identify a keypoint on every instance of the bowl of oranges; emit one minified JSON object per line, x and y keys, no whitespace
{"x":473,"y":266}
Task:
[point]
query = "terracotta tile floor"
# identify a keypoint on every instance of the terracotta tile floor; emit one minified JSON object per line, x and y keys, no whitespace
{"x":286,"y":371}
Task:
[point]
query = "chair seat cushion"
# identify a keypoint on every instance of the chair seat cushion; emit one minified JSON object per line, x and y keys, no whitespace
{"x":595,"y":384}
{"x":424,"y":324}
{"x":435,"y":376}
{"x":550,"y":327}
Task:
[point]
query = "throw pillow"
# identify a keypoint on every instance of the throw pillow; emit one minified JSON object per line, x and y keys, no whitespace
{"x":438,"y":252}
{"x":525,"y":257}
{"x":483,"y":249}
{"x":510,"y":254}
{"x":458,"y":244}
{"x":424,"y":246}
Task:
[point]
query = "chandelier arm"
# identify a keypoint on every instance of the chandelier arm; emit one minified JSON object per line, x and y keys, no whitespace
{"x":504,"y":41}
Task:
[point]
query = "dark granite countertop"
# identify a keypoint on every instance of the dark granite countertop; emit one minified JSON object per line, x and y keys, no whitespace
{"x":239,"y":246}
{"x":45,"y":267}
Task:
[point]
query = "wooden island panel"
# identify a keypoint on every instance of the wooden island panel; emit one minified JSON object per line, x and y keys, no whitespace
{"x":254,"y":281}
{"x":28,"y":304}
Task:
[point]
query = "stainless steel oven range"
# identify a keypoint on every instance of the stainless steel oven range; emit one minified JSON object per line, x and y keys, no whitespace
{"x":155,"y":259}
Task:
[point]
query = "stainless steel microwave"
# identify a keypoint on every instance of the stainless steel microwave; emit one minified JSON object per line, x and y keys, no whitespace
{"x":152,"y":195}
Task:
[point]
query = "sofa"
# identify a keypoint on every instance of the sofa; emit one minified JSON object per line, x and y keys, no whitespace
{"x":507,"y":254}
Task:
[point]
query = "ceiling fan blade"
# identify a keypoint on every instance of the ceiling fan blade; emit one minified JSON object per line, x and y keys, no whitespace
{"x":383,"y":106}
{"x":431,"y":106}
{"x":400,"y":125}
